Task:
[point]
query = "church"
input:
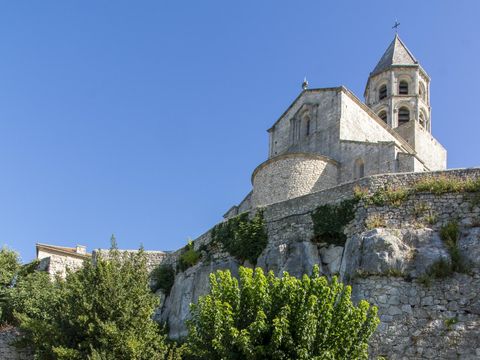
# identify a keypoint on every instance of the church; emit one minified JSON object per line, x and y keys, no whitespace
{"x":328,"y":136}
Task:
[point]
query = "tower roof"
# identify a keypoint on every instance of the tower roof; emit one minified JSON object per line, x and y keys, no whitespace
{"x":396,"y":54}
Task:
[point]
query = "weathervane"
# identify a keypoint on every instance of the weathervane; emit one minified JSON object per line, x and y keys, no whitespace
{"x":305,"y":83}
{"x":395,"y":26}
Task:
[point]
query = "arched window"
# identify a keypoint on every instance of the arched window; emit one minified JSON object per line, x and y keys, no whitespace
{"x":306,"y":126}
{"x":359,"y":169}
{"x":383,"y":115}
{"x":422,"y":92}
{"x":403,"y":115}
{"x":403,"y":88}
{"x":382,"y":92}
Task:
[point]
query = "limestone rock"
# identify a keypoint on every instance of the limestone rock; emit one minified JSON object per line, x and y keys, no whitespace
{"x":469,"y":245}
{"x":383,"y":252}
{"x":187,"y":288}
{"x":302,"y":257}
{"x":332,"y":257}
{"x":273,"y":257}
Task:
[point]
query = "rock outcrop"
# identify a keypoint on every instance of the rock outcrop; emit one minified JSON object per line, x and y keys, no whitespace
{"x":385,"y":264}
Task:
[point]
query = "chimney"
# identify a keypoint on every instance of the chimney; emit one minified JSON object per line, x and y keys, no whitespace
{"x":80,"y":249}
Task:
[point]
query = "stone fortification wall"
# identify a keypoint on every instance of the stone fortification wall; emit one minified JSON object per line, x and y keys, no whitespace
{"x":388,"y":250}
{"x":7,"y":350}
{"x":154,"y":258}
{"x":58,"y":265}
{"x":292,"y":175}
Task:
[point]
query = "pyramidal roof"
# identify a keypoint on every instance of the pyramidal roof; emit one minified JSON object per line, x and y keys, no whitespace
{"x":396,"y":54}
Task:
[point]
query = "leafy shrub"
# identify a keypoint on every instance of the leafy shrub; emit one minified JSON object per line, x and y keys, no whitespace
{"x":449,"y":234}
{"x":375,"y":221}
{"x":9,"y":266}
{"x":445,"y":184}
{"x":264,"y":317}
{"x":188,"y":257}
{"x":449,"y":322}
{"x":163,"y":277}
{"x":329,"y":221}
{"x":442,"y":268}
{"x":102,"y":311}
{"x":23,"y":289}
{"x":360,"y":193}
{"x":242,"y":237}
{"x":389,"y":196}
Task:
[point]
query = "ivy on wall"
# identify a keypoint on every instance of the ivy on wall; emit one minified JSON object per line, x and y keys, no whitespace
{"x":329,"y":221}
{"x":242,"y":237}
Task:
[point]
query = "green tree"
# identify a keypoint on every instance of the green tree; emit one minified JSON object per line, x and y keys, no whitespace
{"x":22,"y":289}
{"x":9,"y":265}
{"x":265,"y":317}
{"x":102,"y":311}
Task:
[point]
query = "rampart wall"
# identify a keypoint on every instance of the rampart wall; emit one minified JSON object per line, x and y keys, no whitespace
{"x":388,"y":249}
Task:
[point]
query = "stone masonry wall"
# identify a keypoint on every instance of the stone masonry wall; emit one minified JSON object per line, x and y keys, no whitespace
{"x":292,"y":175}
{"x":388,"y":249}
{"x":7,"y":350}
{"x":154,"y":258}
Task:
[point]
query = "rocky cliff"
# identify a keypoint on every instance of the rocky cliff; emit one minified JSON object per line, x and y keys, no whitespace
{"x":410,"y":244}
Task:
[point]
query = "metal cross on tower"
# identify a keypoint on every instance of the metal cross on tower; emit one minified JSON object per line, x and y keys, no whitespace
{"x":395,"y":26}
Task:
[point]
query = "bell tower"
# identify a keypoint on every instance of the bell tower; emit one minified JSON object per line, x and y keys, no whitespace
{"x":398,"y":90}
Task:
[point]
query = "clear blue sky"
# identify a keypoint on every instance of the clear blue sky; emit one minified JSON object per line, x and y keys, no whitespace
{"x":146,"y":118}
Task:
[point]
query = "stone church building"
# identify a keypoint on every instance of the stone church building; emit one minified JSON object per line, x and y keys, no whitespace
{"x":328,"y":136}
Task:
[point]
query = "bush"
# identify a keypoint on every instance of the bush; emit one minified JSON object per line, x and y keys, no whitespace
{"x":445,"y":184}
{"x":329,"y":221}
{"x":374,"y":222}
{"x":163,"y":277}
{"x":188,"y":257}
{"x":242,"y":237}
{"x":449,"y":233}
{"x":388,"y":196}
{"x":265,"y":317}
{"x":9,"y":266}
{"x":102,"y":311}
{"x":22,"y":289}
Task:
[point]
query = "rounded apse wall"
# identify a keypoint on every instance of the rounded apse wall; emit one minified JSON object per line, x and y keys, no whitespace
{"x":291,"y":175}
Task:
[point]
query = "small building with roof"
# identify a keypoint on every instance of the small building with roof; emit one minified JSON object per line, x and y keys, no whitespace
{"x":56,"y":260}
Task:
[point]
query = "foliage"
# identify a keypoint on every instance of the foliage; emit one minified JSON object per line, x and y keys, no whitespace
{"x":445,"y":184}
{"x":360,"y":193}
{"x":31,"y":297}
{"x":163,"y":277}
{"x":102,"y":311}
{"x":242,"y":237}
{"x":450,"y":234}
{"x":22,"y":289}
{"x":188,"y":257}
{"x":442,"y":268}
{"x":375,"y":221}
{"x":431,"y":218}
{"x":329,"y":221}
{"x":9,"y":266}
{"x":449,"y":322}
{"x":265,"y":317}
{"x":388,"y":196}
{"x":434,"y":184}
